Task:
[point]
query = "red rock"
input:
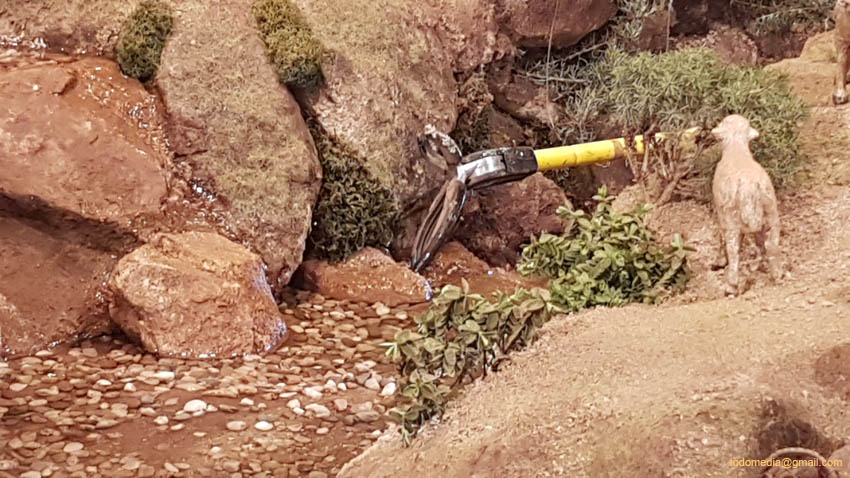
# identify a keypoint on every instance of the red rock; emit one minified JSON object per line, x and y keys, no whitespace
{"x":195,"y":293}
{"x":497,"y":221}
{"x":453,"y":263}
{"x":530,"y":21}
{"x":238,"y":132}
{"x":368,"y":276}
{"x":71,"y":140}
{"x":82,"y":174}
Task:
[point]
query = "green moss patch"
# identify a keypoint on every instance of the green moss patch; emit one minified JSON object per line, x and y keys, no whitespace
{"x":143,"y":39}
{"x":354,"y":210}
{"x":292,"y":48}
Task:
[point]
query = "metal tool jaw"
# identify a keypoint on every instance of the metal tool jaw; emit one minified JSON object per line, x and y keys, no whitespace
{"x":496,"y":166}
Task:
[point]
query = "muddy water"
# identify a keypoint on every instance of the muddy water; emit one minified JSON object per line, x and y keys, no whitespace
{"x":105,"y":408}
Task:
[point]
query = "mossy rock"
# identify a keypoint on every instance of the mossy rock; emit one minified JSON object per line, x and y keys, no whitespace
{"x":354,"y":210}
{"x":292,"y":48}
{"x":143,"y":39}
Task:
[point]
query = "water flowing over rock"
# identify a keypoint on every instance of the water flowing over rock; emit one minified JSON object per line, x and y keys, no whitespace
{"x":195,"y":294}
{"x":453,"y":263}
{"x":368,"y":276}
{"x":82,"y":177}
{"x":238,"y":134}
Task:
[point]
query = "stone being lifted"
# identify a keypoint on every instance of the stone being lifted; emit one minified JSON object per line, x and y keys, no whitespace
{"x":744,"y":200}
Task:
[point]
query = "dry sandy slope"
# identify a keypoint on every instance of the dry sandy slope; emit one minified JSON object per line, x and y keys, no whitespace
{"x":675,"y":390}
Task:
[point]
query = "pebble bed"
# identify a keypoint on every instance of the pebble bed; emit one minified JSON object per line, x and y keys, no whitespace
{"x":104,"y":408}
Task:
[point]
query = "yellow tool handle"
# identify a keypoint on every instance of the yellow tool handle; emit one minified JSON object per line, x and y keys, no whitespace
{"x":588,"y":153}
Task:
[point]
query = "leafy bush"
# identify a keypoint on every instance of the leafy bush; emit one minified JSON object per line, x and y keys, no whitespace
{"x":676,"y":90}
{"x":292,"y":48}
{"x":143,"y":38}
{"x":461,"y":335}
{"x":353,"y":210}
{"x":610,"y":260}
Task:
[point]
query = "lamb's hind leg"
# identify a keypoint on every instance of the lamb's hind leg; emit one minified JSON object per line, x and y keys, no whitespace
{"x":772,"y":254}
{"x":732,"y":238}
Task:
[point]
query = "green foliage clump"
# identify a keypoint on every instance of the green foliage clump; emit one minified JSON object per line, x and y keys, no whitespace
{"x":677,"y":90}
{"x":143,"y":38}
{"x":292,"y":48}
{"x":784,"y":16}
{"x":692,"y":87}
{"x":461,"y":335}
{"x":610,"y":260}
{"x":354,"y":210}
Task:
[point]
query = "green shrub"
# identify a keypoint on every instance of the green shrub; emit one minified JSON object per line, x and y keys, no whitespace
{"x":143,"y":38}
{"x":461,"y":335}
{"x":292,"y":48}
{"x":692,"y":87}
{"x":610,"y":260}
{"x":353,"y":210}
{"x":676,"y":90}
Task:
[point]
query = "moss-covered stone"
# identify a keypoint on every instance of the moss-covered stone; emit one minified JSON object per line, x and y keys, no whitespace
{"x":292,"y":48}
{"x":143,"y":38}
{"x":354,"y":210}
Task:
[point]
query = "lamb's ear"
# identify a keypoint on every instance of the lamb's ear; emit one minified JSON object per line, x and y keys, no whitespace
{"x":753,"y":134}
{"x":717,"y":132}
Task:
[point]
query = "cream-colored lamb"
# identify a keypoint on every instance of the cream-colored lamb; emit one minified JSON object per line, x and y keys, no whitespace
{"x":744,"y":200}
{"x":842,"y":50}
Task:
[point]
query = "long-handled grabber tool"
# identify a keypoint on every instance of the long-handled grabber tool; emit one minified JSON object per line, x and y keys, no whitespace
{"x":503,"y":165}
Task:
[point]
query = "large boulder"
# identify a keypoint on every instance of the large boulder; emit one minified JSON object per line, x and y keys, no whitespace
{"x":83,"y":179}
{"x":497,"y":221}
{"x":238,"y":134}
{"x":73,"y":141}
{"x":195,"y":294}
{"x":389,"y":72}
{"x":530,"y":22}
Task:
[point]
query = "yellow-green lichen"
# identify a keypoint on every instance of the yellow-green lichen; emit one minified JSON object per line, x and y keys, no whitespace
{"x":292,"y":48}
{"x":143,"y":39}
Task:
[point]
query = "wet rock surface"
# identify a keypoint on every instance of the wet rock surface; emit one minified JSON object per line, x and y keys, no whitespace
{"x":497,"y":221}
{"x":108,"y":409}
{"x":83,"y":178}
{"x":454,"y":263}
{"x":238,"y":135}
{"x":78,"y":137}
{"x":369,"y":275}
{"x":195,"y":294}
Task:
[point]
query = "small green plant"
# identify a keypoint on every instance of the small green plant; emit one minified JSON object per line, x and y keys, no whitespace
{"x":353,"y":210}
{"x":292,"y":48}
{"x":610,"y":259}
{"x":143,"y":39}
{"x":462,"y":335}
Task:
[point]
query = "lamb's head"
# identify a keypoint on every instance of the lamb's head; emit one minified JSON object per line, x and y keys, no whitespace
{"x":735,"y":129}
